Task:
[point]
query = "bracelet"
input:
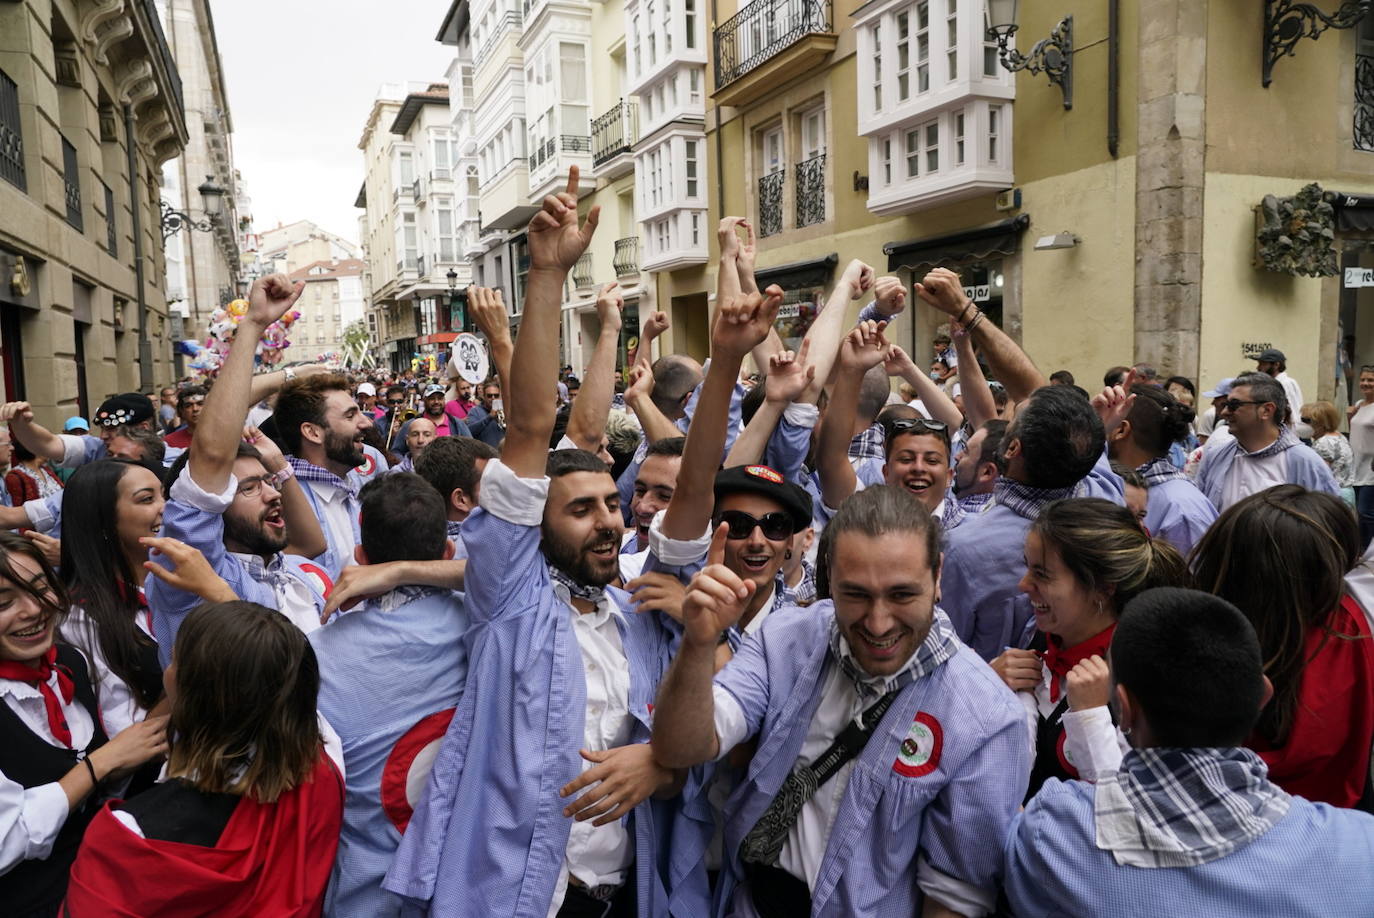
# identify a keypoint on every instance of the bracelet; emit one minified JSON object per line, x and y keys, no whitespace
{"x":963,"y":312}
{"x":290,"y":373}
{"x":281,"y":476}
{"x":95,"y":782}
{"x":974,"y":324}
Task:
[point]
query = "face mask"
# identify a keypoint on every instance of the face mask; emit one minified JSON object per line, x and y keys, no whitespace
{"x":1304,"y":431}
{"x":935,"y":375}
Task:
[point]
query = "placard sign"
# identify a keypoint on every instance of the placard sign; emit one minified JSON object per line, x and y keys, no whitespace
{"x":470,"y":358}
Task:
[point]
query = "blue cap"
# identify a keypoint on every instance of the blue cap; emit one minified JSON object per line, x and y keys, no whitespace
{"x":75,"y":424}
{"x":1221,"y":389}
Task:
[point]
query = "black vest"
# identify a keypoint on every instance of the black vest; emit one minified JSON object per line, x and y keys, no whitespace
{"x":36,"y":887}
{"x":1049,"y":740}
{"x":175,"y":811}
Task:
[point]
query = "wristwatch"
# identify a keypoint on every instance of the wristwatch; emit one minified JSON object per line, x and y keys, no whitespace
{"x":290,"y":373}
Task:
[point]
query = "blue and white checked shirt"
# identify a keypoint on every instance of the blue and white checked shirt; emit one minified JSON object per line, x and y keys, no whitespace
{"x":391,"y":674}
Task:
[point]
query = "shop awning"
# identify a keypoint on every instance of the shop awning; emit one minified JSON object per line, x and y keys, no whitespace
{"x":814,"y":272}
{"x":1001,"y":238}
{"x":1354,"y":212}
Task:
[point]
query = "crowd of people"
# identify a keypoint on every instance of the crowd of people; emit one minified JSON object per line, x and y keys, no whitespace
{"x":761,"y":637}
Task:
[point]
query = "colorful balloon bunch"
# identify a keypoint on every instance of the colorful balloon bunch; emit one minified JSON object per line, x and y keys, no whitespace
{"x":208,"y":357}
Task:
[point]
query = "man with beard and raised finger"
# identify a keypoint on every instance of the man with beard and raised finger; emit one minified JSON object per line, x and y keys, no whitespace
{"x":237,"y":501}
{"x":322,"y":428}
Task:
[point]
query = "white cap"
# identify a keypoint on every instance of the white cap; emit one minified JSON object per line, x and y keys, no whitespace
{"x":367,"y":389}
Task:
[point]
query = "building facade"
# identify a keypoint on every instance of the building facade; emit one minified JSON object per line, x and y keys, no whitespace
{"x":91,"y":108}
{"x":333,"y":300}
{"x":890,"y":131}
{"x":204,"y":269}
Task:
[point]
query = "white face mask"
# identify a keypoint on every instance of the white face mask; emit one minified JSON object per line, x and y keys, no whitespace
{"x":1304,"y":431}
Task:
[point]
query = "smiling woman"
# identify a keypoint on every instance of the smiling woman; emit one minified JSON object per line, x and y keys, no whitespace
{"x":109,"y":506}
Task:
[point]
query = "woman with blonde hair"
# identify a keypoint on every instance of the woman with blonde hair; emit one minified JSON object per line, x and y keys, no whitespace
{"x":1085,"y":559}
{"x":1330,"y":445}
{"x":247,"y":821}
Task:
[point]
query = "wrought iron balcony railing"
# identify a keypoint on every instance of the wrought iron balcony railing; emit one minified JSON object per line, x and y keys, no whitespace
{"x":508,"y":20}
{"x":615,"y":132}
{"x":811,"y":191}
{"x":770,"y":202}
{"x":763,"y":29}
{"x":626,"y":260}
{"x":71,"y":184}
{"x":11,"y":135}
{"x":1364,"y":102}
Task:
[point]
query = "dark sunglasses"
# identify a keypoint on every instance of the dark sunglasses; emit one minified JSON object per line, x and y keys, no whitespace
{"x":776,"y":526}
{"x":1234,"y":404}
{"x":898,"y":426}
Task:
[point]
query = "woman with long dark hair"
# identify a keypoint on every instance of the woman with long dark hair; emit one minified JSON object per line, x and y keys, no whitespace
{"x":1280,"y":556}
{"x":110,"y":506}
{"x":247,"y":821}
{"x":56,"y":760}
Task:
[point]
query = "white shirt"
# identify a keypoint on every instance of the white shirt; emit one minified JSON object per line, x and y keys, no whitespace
{"x":30,"y":818}
{"x":337,"y":511}
{"x":1362,"y":445}
{"x":1092,"y":743}
{"x":294,"y":599}
{"x":118,"y":706}
{"x":1293,"y":391}
{"x":1248,"y":475}
{"x":599,"y":855}
{"x":632,"y":564}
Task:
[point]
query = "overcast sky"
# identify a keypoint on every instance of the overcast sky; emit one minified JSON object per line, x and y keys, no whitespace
{"x":301,"y":78}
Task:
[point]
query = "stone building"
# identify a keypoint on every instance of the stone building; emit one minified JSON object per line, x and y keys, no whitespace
{"x":91,"y":108}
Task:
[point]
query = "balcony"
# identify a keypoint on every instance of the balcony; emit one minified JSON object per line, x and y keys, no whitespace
{"x":583,"y":274}
{"x":71,"y":185}
{"x":613,"y":136}
{"x":770,"y":203}
{"x":768,"y":43}
{"x":1364,"y":102}
{"x":626,"y":260}
{"x":550,"y":160}
{"x":508,"y":21}
{"x":810,"y":191}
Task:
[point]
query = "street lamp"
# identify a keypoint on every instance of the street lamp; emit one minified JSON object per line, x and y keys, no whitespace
{"x":211,"y":202}
{"x":462,"y":323}
{"x":1053,"y":55}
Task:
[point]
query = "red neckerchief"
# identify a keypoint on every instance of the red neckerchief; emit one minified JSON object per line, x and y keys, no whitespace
{"x":1059,"y":660}
{"x":19,"y":672}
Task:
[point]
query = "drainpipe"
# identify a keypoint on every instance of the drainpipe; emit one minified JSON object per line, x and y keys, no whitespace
{"x":145,"y":347}
{"x":1113,"y":74}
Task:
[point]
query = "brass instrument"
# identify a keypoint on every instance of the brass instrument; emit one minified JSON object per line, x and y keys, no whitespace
{"x":398,"y":416}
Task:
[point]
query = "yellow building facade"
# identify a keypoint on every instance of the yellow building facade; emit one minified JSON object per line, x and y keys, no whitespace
{"x":890,"y":132}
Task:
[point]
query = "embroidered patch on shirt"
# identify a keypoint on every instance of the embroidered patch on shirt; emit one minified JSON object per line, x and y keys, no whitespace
{"x":1061,"y":749}
{"x":764,"y":472}
{"x":919,"y":753}
{"x":368,"y":467}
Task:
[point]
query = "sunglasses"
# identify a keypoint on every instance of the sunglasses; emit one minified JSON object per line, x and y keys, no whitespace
{"x":776,"y":526}
{"x":898,"y":426}
{"x":1234,"y":404}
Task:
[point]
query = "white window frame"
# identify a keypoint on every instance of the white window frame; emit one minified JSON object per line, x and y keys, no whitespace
{"x":902,"y":25}
{"x":774,"y":155}
{"x":921,"y":30}
{"x":875,"y":32}
{"x":812,"y":133}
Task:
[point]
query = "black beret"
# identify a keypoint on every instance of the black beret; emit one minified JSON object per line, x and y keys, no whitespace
{"x":760,"y":479}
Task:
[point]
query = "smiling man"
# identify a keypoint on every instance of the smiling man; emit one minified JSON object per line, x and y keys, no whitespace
{"x":827,"y":822}
{"x":322,"y":427}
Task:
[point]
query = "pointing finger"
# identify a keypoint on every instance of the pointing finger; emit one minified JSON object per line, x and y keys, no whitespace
{"x":716,"y":553}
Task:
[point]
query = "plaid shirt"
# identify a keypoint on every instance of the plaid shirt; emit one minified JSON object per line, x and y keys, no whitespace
{"x":307,"y":472}
{"x":1159,"y":470}
{"x":803,"y":594}
{"x":975,"y":503}
{"x":1025,"y":501}
{"x":868,"y":444}
{"x":1185,"y":807}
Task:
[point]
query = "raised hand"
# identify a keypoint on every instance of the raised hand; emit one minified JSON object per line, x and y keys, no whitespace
{"x":728,"y":238}
{"x":657,"y":592}
{"x":942,"y":289}
{"x":609,"y":303}
{"x":890,"y":295}
{"x":621,"y":779}
{"x":1089,"y":684}
{"x":1114,"y":403}
{"x":744,"y":263}
{"x":641,"y":385}
{"x":655,"y":325}
{"x":744,"y":321}
{"x":789,"y":374}
{"x":898,"y":362}
{"x":864,"y":347}
{"x":556,"y":240}
{"x":268,"y":450}
{"x":50,"y":547}
{"x":858,"y":277}
{"x":270,"y":297}
{"x":488,"y":311}
{"x":716,"y":597}
{"x":11,"y":411}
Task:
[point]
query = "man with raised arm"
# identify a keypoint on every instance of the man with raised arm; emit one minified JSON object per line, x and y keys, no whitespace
{"x":1055,"y":448}
{"x":889,"y":758}
{"x":538,"y":800}
{"x":238,"y":502}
